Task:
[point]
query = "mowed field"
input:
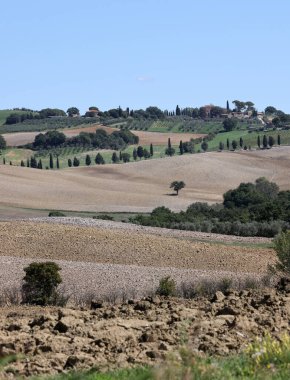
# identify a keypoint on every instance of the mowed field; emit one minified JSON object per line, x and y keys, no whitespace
{"x":145,"y":138}
{"x":141,"y":186}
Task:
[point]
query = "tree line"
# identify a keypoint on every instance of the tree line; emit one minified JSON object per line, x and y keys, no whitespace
{"x":252,"y":209}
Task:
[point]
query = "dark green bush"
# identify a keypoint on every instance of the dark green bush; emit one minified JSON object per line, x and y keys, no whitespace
{"x":56,"y":213}
{"x":40,"y":284}
{"x":167,"y":287}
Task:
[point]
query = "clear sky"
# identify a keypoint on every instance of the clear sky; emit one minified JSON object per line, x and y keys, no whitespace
{"x":137,"y":53}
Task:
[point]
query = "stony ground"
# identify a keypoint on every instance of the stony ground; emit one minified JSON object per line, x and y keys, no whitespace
{"x":52,"y":340}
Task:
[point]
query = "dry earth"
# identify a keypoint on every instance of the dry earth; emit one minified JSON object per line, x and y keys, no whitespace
{"x":141,"y":186}
{"x":145,"y":138}
{"x":101,"y":260}
{"x":50,"y":340}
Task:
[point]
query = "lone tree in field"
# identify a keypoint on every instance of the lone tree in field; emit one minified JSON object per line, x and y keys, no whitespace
{"x":177,"y":185}
{"x":40,"y":283}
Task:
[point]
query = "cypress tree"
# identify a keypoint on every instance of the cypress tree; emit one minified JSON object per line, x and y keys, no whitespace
{"x":33,"y":162}
{"x":27,"y":163}
{"x":177,"y":112}
{"x":120,"y":156}
{"x":135,"y":155}
{"x":4,"y":161}
{"x":22,"y":163}
{"x":265,"y":142}
{"x":234,"y":144}
{"x":69,"y":163}
{"x":228,"y":106}
{"x":76,"y":162}
{"x":279,"y":140}
{"x":151,"y":150}
{"x":115,"y":158}
{"x":228,"y":144}
{"x":259,"y":141}
{"x":169,"y":143}
{"x":39,"y":165}
{"x":50,"y":161}
{"x":99,"y":159}
{"x":57,"y":162}
{"x":181,"y":149}
{"x":271,"y":141}
{"x":221,"y":146}
{"x":11,"y":163}
{"x":88,"y":160}
{"x":241,"y":142}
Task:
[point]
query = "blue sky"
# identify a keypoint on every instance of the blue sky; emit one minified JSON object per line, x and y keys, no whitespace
{"x":137,"y":53}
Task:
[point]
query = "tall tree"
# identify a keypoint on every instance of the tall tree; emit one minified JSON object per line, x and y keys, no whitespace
{"x":279,"y":140}
{"x":228,"y":106}
{"x":181,"y":149}
{"x":99,"y":160}
{"x":135,"y":155}
{"x":39,"y":165}
{"x":204,"y":146}
{"x":271,"y":141}
{"x":57,"y":162}
{"x":169,"y":143}
{"x":50,"y":161}
{"x":76,"y":162}
{"x":221,"y":146}
{"x":151,"y":150}
{"x":115,"y":158}
{"x":234,"y":144}
{"x":177,"y":111}
{"x":33,"y":162}
{"x":22,"y":163}
{"x":241,"y":142}
{"x":69,"y":163}
{"x":27,"y":163}
{"x":228,"y":144}
{"x":88,"y":160}
{"x":265,"y":142}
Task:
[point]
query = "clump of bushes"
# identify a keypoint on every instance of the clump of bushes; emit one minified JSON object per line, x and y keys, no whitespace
{"x":103,"y":217}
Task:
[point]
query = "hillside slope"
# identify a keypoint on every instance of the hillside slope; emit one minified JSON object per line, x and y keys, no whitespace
{"x":144,"y":185}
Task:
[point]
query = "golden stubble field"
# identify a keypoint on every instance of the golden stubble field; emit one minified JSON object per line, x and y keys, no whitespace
{"x":141,"y":186}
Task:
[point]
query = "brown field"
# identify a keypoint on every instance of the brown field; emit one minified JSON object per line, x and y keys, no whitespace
{"x":141,"y":186}
{"x":103,"y":259}
{"x":145,"y":138}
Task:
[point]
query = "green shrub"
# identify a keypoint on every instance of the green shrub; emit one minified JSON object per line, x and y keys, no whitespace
{"x":282,"y":247}
{"x":40,"y":284}
{"x":56,"y":213}
{"x":167,"y":287}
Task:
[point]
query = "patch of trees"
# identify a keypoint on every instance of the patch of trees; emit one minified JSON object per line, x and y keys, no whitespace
{"x":100,"y":139}
{"x":15,"y":118}
{"x":252,"y":209}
